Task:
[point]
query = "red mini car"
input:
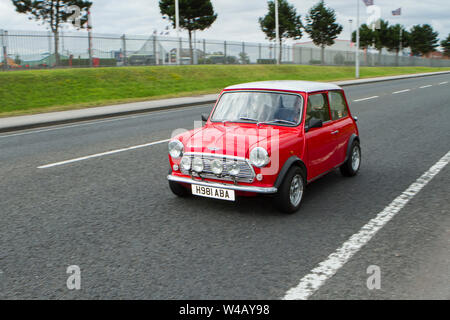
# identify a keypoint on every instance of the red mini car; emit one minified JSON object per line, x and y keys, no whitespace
{"x":270,"y":137}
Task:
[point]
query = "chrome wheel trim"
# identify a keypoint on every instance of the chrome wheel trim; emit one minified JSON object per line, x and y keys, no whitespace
{"x":296,"y":190}
{"x":356,"y":158}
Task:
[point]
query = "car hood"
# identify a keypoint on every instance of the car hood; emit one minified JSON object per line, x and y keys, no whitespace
{"x":231,"y":140}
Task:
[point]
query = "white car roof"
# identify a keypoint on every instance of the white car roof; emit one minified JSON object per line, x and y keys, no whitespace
{"x":290,"y":85}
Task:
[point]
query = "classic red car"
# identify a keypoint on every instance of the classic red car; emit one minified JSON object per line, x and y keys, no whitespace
{"x":270,"y":137}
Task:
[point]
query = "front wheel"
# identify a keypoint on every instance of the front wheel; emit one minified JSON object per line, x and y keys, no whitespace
{"x":177,"y":189}
{"x":290,"y":194}
{"x":351,"y":167}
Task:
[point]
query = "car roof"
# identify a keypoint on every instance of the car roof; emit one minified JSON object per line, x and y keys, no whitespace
{"x":289,"y":85}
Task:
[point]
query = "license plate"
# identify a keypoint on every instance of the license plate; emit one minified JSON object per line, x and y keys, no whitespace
{"x":215,"y":193}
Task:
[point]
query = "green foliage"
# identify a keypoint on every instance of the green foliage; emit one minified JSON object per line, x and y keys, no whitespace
{"x":446,"y":45}
{"x":423,"y":39}
{"x":194,"y":14}
{"x":25,"y":92}
{"x":393,"y":43}
{"x":366,"y":36}
{"x":321,"y":25}
{"x":244,"y":58}
{"x":290,"y":24}
{"x":381,"y":36}
{"x":52,"y":12}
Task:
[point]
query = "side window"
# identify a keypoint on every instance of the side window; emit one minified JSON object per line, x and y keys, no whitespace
{"x":337,"y":105}
{"x":318,"y":108}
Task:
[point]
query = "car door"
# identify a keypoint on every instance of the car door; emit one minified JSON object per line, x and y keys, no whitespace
{"x":319,"y":141}
{"x":343,"y":126}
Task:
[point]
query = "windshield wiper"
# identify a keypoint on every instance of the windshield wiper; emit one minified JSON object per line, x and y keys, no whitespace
{"x":248,"y":119}
{"x":278,"y":121}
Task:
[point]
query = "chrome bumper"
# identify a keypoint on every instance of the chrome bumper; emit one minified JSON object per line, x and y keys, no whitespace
{"x":223,"y":185}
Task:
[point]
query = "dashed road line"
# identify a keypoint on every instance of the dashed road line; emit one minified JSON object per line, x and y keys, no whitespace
{"x":364,"y":99}
{"x":401,"y":91}
{"x":310,"y":283}
{"x":428,"y":86}
{"x":442,"y":83}
{"x":56,"y":164}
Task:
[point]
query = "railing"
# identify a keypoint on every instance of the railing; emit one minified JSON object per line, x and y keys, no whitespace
{"x":36,"y":50}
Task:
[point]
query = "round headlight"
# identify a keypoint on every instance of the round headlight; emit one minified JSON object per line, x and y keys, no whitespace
{"x":197,"y":165}
{"x":185,"y":164}
{"x":176,"y":149}
{"x":259,"y":157}
{"x":217,"y":167}
{"x":233,"y":168}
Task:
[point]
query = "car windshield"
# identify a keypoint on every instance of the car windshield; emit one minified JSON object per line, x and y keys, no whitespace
{"x":259,"y":107}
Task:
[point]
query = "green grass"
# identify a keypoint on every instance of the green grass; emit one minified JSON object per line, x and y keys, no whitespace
{"x":26,"y":92}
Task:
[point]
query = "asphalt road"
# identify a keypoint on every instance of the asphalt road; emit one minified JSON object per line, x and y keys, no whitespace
{"x":114,"y":216}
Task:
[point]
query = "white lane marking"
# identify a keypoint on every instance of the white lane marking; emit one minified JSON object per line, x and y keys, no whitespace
{"x":374,"y":97}
{"x":442,"y":83}
{"x":310,"y":283}
{"x":101,"y":121}
{"x":423,"y":87}
{"x":102,"y":154}
{"x":401,"y":91}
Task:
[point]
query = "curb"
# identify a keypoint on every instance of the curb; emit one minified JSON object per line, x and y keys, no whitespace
{"x":92,"y":113}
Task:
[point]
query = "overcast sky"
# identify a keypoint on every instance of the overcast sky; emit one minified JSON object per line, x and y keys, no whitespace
{"x":237,"y":19}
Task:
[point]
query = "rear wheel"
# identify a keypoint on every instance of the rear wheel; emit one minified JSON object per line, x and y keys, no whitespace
{"x":290,"y":194}
{"x":351,"y":167}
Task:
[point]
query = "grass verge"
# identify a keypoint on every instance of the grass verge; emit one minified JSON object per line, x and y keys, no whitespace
{"x":27,"y":92}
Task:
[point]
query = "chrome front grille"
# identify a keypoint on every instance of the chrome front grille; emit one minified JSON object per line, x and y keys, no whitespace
{"x":246,"y":174}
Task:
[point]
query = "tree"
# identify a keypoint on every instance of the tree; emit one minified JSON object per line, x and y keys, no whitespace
{"x":194,"y":15}
{"x":423,"y":39}
{"x":322,"y":27}
{"x":398,"y":38}
{"x":446,"y":45}
{"x":290,"y":24}
{"x":366,"y":36}
{"x":53,"y":13}
{"x":244,"y":58}
{"x":381,"y":37}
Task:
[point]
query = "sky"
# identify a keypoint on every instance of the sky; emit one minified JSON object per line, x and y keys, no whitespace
{"x":237,"y":19}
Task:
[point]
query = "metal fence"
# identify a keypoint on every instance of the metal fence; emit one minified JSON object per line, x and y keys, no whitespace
{"x":36,"y":50}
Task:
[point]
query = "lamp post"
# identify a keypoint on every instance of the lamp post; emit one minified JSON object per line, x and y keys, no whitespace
{"x":357,"y":41}
{"x":277,"y":32}
{"x":177,"y":26}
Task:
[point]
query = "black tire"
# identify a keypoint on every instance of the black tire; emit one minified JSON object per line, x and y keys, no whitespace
{"x":348,"y":169}
{"x":283,"y":197}
{"x":177,"y":189}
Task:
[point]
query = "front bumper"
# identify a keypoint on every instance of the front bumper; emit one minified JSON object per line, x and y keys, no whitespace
{"x":251,"y":189}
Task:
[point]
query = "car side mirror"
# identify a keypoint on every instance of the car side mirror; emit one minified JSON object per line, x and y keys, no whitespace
{"x":205,"y":117}
{"x":314,"y":123}
{"x":355,"y":118}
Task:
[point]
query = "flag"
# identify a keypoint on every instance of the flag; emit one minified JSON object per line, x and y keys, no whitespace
{"x":368,"y":2}
{"x":397,"y":12}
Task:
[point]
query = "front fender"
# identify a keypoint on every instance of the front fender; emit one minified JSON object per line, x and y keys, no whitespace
{"x":294,"y":160}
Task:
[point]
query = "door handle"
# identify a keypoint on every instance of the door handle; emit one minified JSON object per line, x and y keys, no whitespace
{"x":335,"y":132}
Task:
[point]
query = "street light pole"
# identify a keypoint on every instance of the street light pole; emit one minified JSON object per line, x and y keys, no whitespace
{"x":277,"y":33}
{"x":177,"y":25}
{"x":357,"y":40}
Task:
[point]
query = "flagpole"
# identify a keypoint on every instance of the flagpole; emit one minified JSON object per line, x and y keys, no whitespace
{"x":357,"y":40}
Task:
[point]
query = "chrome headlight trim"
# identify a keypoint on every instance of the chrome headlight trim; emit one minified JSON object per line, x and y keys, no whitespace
{"x":217,"y":167}
{"x":186,"y":164}
{"x":259,"y":157}
{"x":198,"y":165}
{"x":176,"y":149}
